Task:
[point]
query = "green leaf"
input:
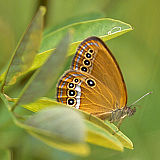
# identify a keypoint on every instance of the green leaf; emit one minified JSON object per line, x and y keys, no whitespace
{"x":104,"y":28}
{"x":109,"y":127}
{"x":54,"y":120}
{"x":80,"y":149}
{"x":45,"y":77}
{"x":99,"y":136}
{"x":59,"y":127}
{"x":127,"y":143}
{"x":59,"y":120}
{"x":82,"y":30}
{"x":26,"y":50}
{"x":39,"y":104}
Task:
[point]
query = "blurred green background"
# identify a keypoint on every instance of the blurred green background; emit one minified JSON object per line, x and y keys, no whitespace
{"x":137,"y":53}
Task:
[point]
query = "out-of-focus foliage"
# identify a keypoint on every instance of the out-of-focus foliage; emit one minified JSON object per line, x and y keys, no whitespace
{"x":136,"y":52}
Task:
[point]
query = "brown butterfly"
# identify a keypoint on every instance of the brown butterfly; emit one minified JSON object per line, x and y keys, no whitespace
{"x":95,"y":83}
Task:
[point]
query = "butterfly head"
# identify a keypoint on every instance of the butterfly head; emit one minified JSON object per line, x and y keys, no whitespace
{"x":129,"y":111}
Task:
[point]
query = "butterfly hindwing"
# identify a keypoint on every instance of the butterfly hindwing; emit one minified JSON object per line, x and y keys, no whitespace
{"x":83,"y":91}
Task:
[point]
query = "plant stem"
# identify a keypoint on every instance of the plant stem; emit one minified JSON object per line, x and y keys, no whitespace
{"x":5,"y":101}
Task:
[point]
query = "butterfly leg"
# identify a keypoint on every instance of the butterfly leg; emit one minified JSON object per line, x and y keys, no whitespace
{"x":120,"y":121}
{"x":119,"y":124}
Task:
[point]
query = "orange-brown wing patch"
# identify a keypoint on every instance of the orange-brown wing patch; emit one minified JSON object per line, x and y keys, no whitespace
{"x":89,"y":93}
{"x":95,"y":58}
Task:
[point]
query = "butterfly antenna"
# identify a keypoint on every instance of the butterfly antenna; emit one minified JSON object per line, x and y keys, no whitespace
{"x":140,"y":98}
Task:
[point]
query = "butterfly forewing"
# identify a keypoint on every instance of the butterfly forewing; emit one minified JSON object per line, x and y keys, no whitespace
{"x":102,"y":65}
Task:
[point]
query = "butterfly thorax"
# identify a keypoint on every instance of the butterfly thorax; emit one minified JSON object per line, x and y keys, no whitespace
{"x":119,"y":114}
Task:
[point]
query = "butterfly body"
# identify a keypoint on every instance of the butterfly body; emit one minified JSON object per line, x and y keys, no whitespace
{"x":119,"y":114}
{"x":95,"y":83}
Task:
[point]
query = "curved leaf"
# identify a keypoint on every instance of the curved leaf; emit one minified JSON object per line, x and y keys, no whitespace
{"x":127,"y":143}
{"x":40,"y":104}
{"x":26,"y":50}
{"x":58,"y":127}
{"x":44,"y":77}
{"x":104,"y":28}
{"x":110,"y":127}
{"x":80,"y":149}
{"x":59,"y":120}
{"x":99,"y":136}
{"x":62,"y":122}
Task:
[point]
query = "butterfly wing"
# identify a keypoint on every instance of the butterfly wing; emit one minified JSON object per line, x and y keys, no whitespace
{"x":94,"y":58}
{"x":83,"y":91}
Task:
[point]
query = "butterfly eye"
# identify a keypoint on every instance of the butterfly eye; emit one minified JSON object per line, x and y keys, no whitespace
{"x":91,"y":82}
{"x":84,"y":69}
{"x":88,"y":55}
{"x":76,"y":80}
{"x":87,"y":62}
{"x":90,"y":51}
{"x":71,"y":101}
{"x":71,"y":86}
{"x":71,"y":93}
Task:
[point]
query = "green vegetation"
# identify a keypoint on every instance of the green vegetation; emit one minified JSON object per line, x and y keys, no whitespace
{"x":28,"y":80}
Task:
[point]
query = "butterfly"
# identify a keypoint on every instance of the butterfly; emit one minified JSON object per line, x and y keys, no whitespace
{"x":95,"y":83}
